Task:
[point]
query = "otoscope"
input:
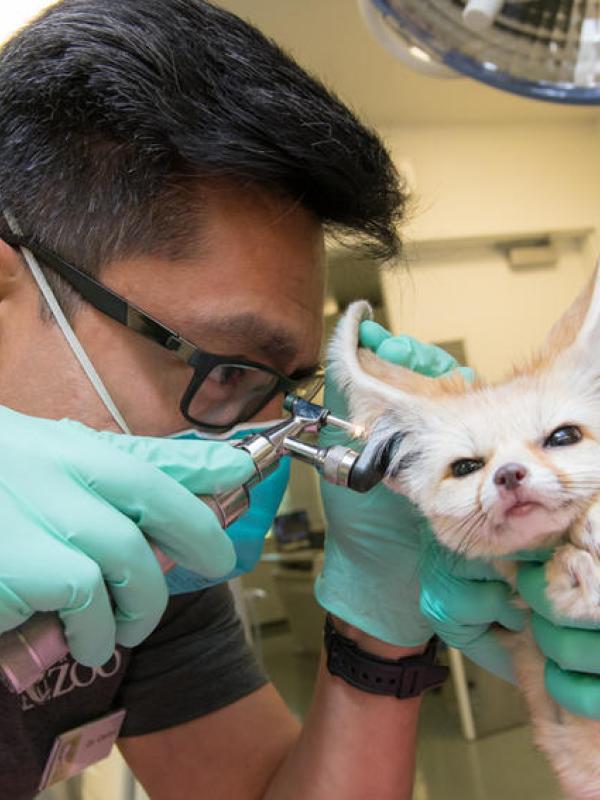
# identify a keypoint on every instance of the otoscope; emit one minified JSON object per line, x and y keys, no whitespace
{"x":28,"y":651}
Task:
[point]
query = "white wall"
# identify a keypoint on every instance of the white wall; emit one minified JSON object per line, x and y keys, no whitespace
{"x":486,"y":181}
{"x":472,"y":294}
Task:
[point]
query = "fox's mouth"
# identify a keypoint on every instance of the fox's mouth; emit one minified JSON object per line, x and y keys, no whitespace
{"x":526,"y":503}
{"x":522,"y":502}
{"x":520,"y":508}
{"x":531,"y":516}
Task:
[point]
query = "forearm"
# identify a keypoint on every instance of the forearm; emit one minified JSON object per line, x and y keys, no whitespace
{"x":354,"y":745}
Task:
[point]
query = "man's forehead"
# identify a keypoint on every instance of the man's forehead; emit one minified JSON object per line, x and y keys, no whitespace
{"x":279,"y":342}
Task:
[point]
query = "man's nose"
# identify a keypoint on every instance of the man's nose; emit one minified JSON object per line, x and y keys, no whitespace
{"x":510,"y":476}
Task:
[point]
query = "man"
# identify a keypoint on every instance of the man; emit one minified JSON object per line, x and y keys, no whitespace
{"x":171,"y":152}
{"x":170,"y":149}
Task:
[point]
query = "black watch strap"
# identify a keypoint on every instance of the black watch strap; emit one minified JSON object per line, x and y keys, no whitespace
{"x":401,"y":678}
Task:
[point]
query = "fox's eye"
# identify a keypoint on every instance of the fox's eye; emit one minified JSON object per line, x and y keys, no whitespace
{"x":568,"y":434}
{"x":465,"y":466}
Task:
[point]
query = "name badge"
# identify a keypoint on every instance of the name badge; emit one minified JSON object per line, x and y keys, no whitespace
{"x":75,"y":750}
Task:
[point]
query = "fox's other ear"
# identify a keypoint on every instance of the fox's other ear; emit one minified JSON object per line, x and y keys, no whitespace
{"x":579,"y":325}
{"x":372,"y":385}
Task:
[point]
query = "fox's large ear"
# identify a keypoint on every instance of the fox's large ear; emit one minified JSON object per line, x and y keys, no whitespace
{"x":579,"y":326}
{"x":372,"y":385}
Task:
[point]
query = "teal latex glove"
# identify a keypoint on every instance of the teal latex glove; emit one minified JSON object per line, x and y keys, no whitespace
{"x":74,"y":503}
{"x":461,"y":599}
{"x":572,"y":647}
{"x":372,"y":546}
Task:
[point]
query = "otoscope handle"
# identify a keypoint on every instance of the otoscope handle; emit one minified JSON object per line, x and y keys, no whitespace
{"x":28,"y":651}
{"x":228,"y":506}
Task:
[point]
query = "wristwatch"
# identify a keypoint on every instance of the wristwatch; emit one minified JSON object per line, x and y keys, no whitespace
{"x":401,"y":678}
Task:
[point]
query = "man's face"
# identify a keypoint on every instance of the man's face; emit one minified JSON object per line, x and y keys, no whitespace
{"x":254,"y":290}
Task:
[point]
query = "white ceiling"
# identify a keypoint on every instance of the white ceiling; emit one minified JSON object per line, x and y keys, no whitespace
{"x":329,"y":38}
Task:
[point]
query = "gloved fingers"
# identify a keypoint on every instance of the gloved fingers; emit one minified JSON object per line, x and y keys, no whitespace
{"x":467,"y":373}
{"x":468,"y":603}
{"x":475,"y":569}
{"x":455,"y":634}
{"x":141,"y":598}
{"x":480,"y":643}
{"x":440,"y":561}
{"x":60,"y":578}
{"x":578,"y":692}
{"x":181,"y":525}
{"x":139,"y":609}
{"x":528,"y":555}
{"x":125,"y":558}
{"x":426,"y":359}
{"x":510,"y":616}
{"x":81,"y":601}
{"x":88,"y":619}
{"x":531,"y":585}
{"x":14,"y":611}
{"x":202,"y":467}
{"x":371,"y":334}
{"x":570,"y":648}
{"x":488,"y":652}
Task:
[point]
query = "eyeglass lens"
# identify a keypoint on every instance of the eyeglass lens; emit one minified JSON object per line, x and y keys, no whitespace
{"x":230,"y":392}
{"x":233,"y":392}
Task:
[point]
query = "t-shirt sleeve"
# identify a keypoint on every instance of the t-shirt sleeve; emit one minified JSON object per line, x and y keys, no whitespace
{"x":195,"y":662}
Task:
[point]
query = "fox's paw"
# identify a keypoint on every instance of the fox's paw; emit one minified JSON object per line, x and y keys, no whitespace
{"x":573,"y":583}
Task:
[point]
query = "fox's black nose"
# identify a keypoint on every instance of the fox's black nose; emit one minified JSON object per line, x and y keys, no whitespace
{"x":510,"y":476}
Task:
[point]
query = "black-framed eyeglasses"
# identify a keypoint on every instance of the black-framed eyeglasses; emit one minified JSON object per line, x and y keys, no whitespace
{"x":223,"y":390}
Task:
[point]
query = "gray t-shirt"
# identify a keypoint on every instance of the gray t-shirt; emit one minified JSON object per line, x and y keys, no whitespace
{"x":195,"y":662}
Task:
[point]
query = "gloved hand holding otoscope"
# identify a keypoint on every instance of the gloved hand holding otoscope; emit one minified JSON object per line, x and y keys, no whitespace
{"x":28,"y":651}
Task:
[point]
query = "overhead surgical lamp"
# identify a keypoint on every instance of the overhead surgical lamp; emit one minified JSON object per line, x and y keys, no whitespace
{"x":545,"y":49}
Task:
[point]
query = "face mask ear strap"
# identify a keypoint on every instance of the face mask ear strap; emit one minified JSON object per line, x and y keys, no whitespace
{"x":65,"y":327}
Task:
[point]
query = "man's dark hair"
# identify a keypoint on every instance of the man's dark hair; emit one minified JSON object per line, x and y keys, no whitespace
{"x":113,"y":111}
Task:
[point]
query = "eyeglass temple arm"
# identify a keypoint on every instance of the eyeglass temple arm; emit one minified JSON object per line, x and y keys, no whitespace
{"x":105,"y":300}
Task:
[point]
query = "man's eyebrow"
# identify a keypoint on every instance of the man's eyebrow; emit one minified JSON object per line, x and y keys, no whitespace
{"x":268,"y":339}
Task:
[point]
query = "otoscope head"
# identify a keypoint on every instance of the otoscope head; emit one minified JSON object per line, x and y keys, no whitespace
{"x":359,"y":471}
{"x":372,"y":464}
{"x":299,"y":407}
{"x":321,"y":415}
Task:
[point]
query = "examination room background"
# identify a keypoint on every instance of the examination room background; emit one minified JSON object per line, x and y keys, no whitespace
{"x":503,"y":233}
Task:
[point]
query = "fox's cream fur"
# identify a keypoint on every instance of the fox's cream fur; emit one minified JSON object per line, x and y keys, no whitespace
{"x":437,"y":423}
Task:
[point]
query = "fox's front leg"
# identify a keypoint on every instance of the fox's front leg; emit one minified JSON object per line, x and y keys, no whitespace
{"x":573,"y":573}
{"x":571,"y":743}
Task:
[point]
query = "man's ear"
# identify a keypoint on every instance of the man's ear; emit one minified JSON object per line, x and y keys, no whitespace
{"x":372,"y":385}
{"x":11,"y":269}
